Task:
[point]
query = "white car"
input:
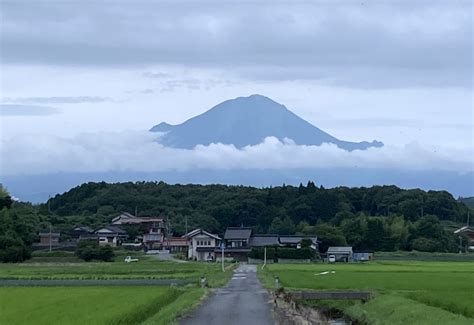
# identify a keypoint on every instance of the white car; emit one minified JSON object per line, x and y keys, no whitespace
{"x":332,"y":259}
{"x":129,"y":259}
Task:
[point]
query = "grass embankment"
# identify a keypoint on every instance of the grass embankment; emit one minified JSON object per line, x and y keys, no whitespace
{"x":405,"y":292}
{"x":95,"y":305}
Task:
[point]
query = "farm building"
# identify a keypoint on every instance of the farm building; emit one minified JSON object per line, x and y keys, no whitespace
{"x":362,"y":256}
{"x":177,"y":244}
{"x":48,"y":238}
{"x":468,"y":232}
{"x":341,"y":253}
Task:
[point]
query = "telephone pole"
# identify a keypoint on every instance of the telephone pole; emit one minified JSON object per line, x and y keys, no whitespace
{"x":50,"y":235}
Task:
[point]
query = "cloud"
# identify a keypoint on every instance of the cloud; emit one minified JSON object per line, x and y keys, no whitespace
{"x":140,"y":151}
{"x":56,"y":100}
{"x":374,"y":44}
{"x":157,"y":75}
{"x":26,"y":110}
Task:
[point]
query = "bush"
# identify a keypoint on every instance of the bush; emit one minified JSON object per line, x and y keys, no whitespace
{"x":293,"y":253}
{"x":259,"y":253}
{"x":90,"y":250}
{"x":13,"y":250}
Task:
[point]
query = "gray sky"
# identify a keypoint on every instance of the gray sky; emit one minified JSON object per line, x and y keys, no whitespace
{"x":396,"y":71}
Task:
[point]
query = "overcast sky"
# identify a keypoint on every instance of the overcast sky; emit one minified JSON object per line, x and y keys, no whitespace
{"x":396,"y":71}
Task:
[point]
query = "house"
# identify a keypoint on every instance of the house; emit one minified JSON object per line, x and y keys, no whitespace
{"x":259,"y":240}
{"x":237,"y":241}
{"x":79,"y":232}
{"x":177,"y":245}
{"x":202,"y":245}
{"x":48,"y":238}
{"x":468,"y":232}
{"x":362,"y":256}
{"x":111,"y":235}
{"x":342,"y":254}
{"x":153,"y":229}
{"x":240,"y":240}
{"x":294,"y":241}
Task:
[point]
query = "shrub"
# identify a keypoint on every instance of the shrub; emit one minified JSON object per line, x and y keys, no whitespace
{"x":13,"y":249}
{"x":90,"y":250}
{"x":293,"y":253}
{"x":259,"y":253}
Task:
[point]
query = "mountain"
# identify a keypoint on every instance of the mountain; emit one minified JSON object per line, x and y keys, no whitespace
{"x":247,"y":121}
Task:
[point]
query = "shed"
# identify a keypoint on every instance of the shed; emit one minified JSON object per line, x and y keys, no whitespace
{"x":341,"y":253}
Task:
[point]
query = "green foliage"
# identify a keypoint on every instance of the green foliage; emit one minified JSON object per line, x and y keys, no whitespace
{"x":259,"y":253}
{"x":378,"y":218}
{"x":294,"y":253}
{"x":89,"y":250}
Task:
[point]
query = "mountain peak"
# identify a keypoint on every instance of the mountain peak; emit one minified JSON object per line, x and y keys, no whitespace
{"x":246,"y":121}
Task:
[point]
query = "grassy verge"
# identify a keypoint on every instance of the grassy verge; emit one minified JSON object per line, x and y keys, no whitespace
{"x":188,"y":300}
{"x":393,"y":310}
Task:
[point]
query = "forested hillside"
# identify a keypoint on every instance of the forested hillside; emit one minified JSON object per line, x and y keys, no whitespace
{"x":469,"y":201}
{"x":379,"y":217}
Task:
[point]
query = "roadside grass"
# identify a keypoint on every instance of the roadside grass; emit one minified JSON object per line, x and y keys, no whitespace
{"x":169,"y":314}
{"x":83,"y":305}
{"x":444,"y":287}
{"x":393,"y":310}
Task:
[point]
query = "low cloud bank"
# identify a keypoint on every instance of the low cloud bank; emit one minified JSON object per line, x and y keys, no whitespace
{"x":141,"y":152}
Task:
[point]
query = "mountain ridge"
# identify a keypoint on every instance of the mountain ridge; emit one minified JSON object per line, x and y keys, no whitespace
{"x":244,"y":121}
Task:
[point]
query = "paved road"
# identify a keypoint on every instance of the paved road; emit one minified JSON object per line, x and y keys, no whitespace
{"x":77,"y":283}
{"x":241,"y":301}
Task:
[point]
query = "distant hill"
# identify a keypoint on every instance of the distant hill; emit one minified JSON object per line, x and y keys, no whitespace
{"x":469,"y":201}
{"x":247,"y":121}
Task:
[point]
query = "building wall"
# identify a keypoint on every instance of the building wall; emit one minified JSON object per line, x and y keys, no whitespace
{"x":200,"y":240}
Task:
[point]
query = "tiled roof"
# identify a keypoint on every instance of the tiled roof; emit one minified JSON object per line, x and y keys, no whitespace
{"x":263,"y":240}
{"x":289,"y":239}
{"x":340,"y":249}
{"x":238,"y":233}
{"x":199,"y":231}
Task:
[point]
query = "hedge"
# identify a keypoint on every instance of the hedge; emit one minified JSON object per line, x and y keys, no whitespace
{"x":281,"y":252}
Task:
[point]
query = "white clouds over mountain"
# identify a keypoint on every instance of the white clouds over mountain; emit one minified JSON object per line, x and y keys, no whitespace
{"x":139,"y":151}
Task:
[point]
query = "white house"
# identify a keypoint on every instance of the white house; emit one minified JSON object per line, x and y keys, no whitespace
{"x":201,"y":245}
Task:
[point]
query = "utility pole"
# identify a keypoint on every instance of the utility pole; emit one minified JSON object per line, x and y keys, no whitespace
{"x":222,"y":258}
{"x":50,"y":235}
{"x":264,"y":257}
{"x":186,"y":223}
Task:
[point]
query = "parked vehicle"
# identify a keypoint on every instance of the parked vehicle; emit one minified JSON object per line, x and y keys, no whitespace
{"x":332,"y":259}
{"x":129,"y":259}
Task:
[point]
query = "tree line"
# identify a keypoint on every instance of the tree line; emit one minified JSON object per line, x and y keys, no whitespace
{"x":371,"y":218}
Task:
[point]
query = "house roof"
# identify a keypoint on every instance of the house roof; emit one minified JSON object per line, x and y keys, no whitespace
{"x":199,"y":231}
{"x":112,"y":229}
{"x":465,"y":229}
{"x":290,"y":239}
{"x":263,"y":240}
{"x":127,"y":218}
{"x":242,"y":233}
{"x":46,"y":233}
{"x":339,"y":249}
{"x":177,"y":241}
{"x":83,"y":228}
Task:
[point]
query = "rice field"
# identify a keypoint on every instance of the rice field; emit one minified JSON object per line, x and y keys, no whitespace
{"x":423,"y":290}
